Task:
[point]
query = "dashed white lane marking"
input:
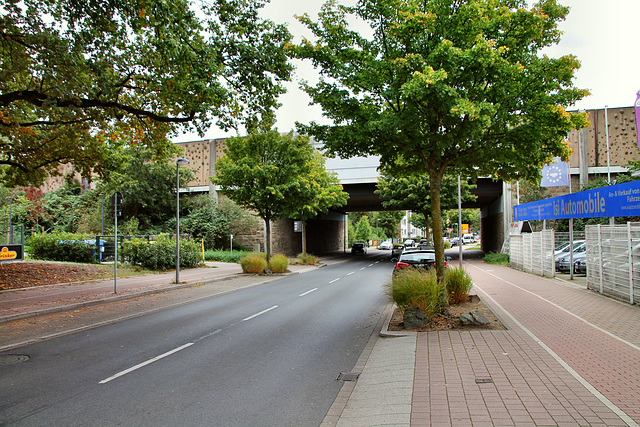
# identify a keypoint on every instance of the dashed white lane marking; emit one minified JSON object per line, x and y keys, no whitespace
{"x":308,"y":292}
{"x":148,"y":362}
{"x":334,"y":280}
{"x":258,"y":314}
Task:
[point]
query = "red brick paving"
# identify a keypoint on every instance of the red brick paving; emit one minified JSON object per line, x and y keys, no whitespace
{"x":529,"y":386}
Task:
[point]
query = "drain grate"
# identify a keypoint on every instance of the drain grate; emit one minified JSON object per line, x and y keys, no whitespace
{"x":10,"y":359}
{"x":347,"y":376}
{"x":484,"y":381}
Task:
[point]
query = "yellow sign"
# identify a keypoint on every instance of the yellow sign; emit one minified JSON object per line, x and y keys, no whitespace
{"x":6,"y":254}
{"x":465,"y":229}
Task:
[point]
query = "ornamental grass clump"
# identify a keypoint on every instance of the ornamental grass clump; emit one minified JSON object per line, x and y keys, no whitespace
{"x":253,"y":264}
{"x":278,"y":263}
{"x":416,"y":287}
{"x":458,"y":285}
{"x":308,"y":259}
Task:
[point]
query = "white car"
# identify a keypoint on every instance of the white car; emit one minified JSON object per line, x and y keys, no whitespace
{"x":386,"y":245}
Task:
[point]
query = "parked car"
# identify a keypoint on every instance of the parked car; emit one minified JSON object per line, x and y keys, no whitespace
{"x":467,"y":238}
{"x":580,"y":266}
{"x":409,"y":243}
{"x":563,"y":264}
{"x":396,"y":252}
{"x":386,"y":245}
{"x":425,"y":258}
{"x":454,"y":241}
{"x":563,"y":258}
{"x":359,"y":248}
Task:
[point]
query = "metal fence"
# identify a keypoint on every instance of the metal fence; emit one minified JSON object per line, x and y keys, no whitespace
{"x":13,"y":235}
{"x":533,"y":252}
{"x":613,"y":260}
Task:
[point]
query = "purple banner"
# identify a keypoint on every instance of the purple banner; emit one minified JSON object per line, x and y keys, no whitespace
{"x":637,"y":104}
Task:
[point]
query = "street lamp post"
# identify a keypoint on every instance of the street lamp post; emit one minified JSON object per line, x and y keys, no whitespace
{"x":178,"y":163}
{"x":377,"y":234}
{"x":102,"y":228}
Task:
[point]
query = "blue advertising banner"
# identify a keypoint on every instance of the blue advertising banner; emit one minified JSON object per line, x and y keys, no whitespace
{"x":612,"y":201}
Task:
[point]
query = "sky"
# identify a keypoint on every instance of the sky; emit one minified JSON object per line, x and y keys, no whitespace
{"x":601,"y":34}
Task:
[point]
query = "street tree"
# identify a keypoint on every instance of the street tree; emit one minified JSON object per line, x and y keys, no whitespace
{"x":414,"y":193}
{"x":443,"y":86}
{"x":79,"y":79}
{"x":265,"y":172}
{"x":320,"y":191}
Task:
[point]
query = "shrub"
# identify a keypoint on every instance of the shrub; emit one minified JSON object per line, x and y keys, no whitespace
{"x":278,"y":263}
{"x":458,"y":285}
{"x":308,"y":259}
{"x":67,"y":247}
{"x":161,"y":254}
{"x":496,"y":258}
{"x":225,"y":256}
{"x":447,"y":245}
{"x":415,"y":287}
{"x":253,"y":264}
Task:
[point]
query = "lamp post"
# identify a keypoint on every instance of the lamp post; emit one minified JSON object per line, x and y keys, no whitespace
{"x":377,"y":234}
{"x":102,"y":228}
{"x":10,"y":223}
{"x":178,"y":163}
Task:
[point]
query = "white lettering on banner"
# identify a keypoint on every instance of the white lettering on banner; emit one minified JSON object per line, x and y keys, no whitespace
{"x":591,"y":205}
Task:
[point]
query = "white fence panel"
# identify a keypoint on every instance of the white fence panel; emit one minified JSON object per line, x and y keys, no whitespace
{"x":533,"y":252}
{"x":613,"y":260}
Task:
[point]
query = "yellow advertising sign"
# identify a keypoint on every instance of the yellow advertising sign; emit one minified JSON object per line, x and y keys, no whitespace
{"x":465,"y":229}
{"x":6,"y":254}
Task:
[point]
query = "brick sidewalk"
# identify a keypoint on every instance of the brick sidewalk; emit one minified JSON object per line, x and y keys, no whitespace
{"x":569,"y":357}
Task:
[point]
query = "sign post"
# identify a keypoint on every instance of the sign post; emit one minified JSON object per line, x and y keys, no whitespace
{"x":117,"y":211}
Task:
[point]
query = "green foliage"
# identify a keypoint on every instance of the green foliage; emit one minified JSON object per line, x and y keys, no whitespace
{"x":254,"y":264}
{"x":225,"y":256}
{"x":415,"y":287}
{"x":458,"y":285}
{"x":496,"y":258}
{"x":78,"y":81}
{"x":278,"y":263}
{"x":363,"y":230}
{"x":308,"y":259}
{"x":443,"y":87}
{"x":270,"y":174}
{"x":161,"y":254}
{"x":66,"y":247}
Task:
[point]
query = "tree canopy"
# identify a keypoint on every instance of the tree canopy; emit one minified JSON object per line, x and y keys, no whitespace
{"x":444,"y":86}
{"x":276,"y":176}
{"x":78,"y":79}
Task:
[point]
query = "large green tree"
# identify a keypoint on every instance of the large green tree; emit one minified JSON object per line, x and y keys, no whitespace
{"x":319,"y":192}
{"x":266,"y":172}
{"x":79,"y":78}
{"x":444,"y":86}
{"x":414,"y":193}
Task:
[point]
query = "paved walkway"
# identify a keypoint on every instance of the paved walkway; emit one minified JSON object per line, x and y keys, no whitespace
{"x":569,"y":357}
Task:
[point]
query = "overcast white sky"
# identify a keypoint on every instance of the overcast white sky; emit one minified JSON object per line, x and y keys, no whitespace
{"x":601,"y":34}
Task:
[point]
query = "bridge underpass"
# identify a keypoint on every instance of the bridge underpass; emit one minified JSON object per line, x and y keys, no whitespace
{"x":360,"y":182}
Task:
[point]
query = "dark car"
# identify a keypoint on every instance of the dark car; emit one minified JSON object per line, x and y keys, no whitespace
{"x":425,"y":258}
{"x":563,"y":264}
{"x":358,"y":248}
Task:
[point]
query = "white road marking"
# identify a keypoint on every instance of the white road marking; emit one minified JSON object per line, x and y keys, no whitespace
{"x":362,"y":268}
{"x":308,"y":292}
{"x":349,"y":274}
{"x":334,"y":280}
{"x":258,"y":314}
{"x":148,"y":362}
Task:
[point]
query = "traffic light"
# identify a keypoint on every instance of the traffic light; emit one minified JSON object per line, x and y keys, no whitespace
{"x":117,"y":203}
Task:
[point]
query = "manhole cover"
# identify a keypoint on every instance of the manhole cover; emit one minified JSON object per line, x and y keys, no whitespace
{"x":10,"y":359}
{"x":484,"y":381}
{"x":347,"y":376}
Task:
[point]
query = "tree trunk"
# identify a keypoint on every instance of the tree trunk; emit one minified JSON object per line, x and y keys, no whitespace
{"x":436,"y":217}
{"x":304,"y":237}
{"x":267,"y":227}
{"x":426,"y":225}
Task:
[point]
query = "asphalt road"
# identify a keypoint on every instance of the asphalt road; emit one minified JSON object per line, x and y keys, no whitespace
{"x":267,"y":355}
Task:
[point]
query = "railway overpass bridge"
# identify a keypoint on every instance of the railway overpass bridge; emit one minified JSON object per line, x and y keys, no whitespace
{"x":359,"y":176}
